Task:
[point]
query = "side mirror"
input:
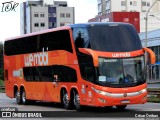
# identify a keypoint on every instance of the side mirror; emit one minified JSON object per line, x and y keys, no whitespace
{"x":151,"y":54}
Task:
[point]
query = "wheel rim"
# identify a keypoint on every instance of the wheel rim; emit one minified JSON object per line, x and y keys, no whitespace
{"x":23,"y":97}
{"x":76,"y":100}
{"x":65,"y":99}
{"x":17,"y":97}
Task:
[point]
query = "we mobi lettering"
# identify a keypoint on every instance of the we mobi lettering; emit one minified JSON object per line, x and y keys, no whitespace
{"x":121,"y":54}
{"x":36,"y":59}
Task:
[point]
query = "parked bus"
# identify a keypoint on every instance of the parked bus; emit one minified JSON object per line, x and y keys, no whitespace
{"x":91,"y":64}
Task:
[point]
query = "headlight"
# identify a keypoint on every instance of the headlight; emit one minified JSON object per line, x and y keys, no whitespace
{"x":100,"y":92}
{"x":142,"y":91}
{"x":117,"y":95}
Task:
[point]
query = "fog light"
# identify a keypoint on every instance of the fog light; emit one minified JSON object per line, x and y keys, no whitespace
{"x":102,"y":100}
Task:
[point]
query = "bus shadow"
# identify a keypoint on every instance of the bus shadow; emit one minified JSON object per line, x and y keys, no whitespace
{"x":48,"y":104}
{"x":84,"y":109}
{"x":104,"y":110}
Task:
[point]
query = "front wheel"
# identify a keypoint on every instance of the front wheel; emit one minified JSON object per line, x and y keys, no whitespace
{"x":121,"y":107}
{"x":76,"y":101}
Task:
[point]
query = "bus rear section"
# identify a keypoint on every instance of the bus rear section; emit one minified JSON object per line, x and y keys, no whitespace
{"x":40,"y":66}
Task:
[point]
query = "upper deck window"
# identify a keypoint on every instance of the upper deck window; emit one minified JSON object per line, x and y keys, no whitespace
{"x":81,"y":37}
{"x":58,"y":40}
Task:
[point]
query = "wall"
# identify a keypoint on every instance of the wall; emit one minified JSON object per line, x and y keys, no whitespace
{"x":135,"y":6}
{"x":22,"y":18}
{"x":153,"y":22}
{"x":116,"y":6}
{"x":101,"y":5}
{"x":65,"y":20}
{"x":48,"y":2}
{"x":28,"y":18}
{"x":39,"y":19}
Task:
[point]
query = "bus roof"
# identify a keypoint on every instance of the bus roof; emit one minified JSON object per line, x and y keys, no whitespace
{"x":98,"y":23}
{"x":109,"y":36}
{"x":67,"y":27}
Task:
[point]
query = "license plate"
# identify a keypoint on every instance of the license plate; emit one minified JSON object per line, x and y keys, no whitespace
{"x":125,"y":101}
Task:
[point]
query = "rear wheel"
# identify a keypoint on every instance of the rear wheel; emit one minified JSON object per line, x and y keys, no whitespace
{"x":18,"y":97}
{"x":121,"y":107}
{"x":65,"y":100}
{"x":76,"y":101}
{"x":25,"y":101}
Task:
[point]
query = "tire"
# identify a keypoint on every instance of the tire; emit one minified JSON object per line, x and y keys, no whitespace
{"x":24,"y":99}
{"x":18,"y":97}
{"x":76,"y":101}
{"x":121,"y":107}
{"x":66,"y":101}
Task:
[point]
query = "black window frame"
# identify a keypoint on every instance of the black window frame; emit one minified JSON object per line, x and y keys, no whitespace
{"x":36,"y":24}
{"x":54,"y":73}
{"x":31,"y":44}
{"x":42,"y":24}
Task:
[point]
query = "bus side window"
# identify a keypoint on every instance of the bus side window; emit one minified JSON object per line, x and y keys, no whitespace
{"x":21,"y":45}
{"x":64,"y":74}
{"x":38,"y":74}
{"x":81,"y":38}
{"x":86,"y":67}
{"x":79,"y":41}
{"x":58,"y":40}
{"x":85,"y":61}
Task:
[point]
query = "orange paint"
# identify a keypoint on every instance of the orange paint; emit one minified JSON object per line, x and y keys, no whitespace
{"x":152,"y":55}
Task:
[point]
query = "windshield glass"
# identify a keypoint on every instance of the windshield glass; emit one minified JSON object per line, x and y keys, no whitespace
{"x":121,"y":72}
{"x":114,"y":38}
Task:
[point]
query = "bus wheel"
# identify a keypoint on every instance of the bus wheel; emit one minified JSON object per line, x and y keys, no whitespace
{"x":121,"y":107}
{"x":76,"y":101}
{"x":24,"y":100}
{"x":65,"y":100}
{"x":18,"y":97}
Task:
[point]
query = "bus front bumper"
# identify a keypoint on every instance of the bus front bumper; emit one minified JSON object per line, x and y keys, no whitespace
{"x":102,"y":99}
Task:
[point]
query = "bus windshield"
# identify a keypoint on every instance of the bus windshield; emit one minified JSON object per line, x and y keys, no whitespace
{"x":121,"y":72}
{"x":114,"y":38}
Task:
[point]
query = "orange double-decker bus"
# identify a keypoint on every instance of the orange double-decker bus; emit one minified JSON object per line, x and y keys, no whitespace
{"x":91,"y":64}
